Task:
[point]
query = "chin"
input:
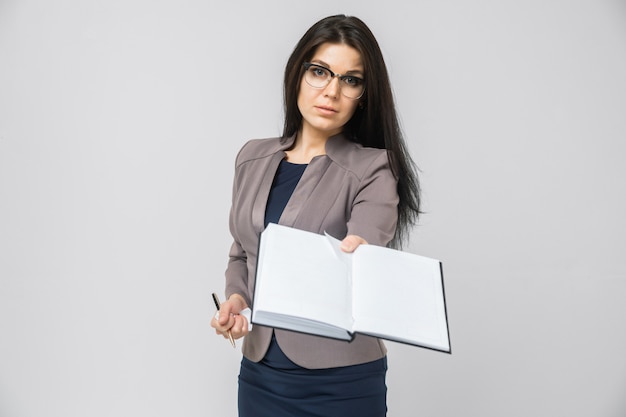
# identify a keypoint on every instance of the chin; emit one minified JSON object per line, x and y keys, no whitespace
{"x":330,"y":129}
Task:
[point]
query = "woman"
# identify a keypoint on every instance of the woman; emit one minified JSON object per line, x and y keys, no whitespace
{"x":342,"y":167}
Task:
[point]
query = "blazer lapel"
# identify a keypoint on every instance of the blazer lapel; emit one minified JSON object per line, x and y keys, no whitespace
{"x":260,"y":202}
{"x":312,"y":176}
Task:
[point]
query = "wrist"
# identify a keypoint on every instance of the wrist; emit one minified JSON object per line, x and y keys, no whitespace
{"x":238,"y":301}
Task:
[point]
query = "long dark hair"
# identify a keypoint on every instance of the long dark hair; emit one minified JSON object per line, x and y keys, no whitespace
{"x":375,"y":122}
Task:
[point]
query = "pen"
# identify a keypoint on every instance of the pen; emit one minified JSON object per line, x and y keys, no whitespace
{"x":216,"y":300}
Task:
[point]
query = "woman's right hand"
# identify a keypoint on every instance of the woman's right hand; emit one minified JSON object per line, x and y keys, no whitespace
{"x":230,"y":319}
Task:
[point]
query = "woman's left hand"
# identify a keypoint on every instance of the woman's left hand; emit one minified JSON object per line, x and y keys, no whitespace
{"x":351,"y":242}
{"x":229,"y":319}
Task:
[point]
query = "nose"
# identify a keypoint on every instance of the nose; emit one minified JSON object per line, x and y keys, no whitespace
{"x":332,"y":89}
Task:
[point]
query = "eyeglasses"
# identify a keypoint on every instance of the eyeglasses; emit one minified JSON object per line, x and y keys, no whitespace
{"x":318,"y":76}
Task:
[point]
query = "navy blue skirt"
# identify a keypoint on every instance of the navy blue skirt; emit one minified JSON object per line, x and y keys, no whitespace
{"x":276,"y":387}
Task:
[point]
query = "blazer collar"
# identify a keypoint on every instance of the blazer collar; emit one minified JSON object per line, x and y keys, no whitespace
{"x":337,"y":146}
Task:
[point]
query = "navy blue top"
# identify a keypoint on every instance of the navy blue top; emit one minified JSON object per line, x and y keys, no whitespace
{"x":287,"y":177}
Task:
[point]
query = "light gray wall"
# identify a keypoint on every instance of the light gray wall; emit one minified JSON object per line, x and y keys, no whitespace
{"x":119,"y":123}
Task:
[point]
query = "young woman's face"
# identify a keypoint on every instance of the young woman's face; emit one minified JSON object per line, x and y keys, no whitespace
{"x":326,"y":110}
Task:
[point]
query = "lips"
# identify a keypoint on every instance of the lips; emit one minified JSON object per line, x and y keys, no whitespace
{"x":326,"y":109}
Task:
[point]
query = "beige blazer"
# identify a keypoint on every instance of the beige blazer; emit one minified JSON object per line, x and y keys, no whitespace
{"x":349,"y":190}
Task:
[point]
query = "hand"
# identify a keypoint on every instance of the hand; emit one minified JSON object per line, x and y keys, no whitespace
{"x":230,"y":319}
{"x":351,"y":242}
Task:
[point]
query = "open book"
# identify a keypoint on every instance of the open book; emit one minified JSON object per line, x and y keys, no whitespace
{"x":306,"y":283}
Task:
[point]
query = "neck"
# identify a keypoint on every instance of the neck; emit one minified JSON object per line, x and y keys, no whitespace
{"x":307,"y":146}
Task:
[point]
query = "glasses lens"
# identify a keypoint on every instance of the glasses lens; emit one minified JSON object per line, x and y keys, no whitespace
{"x":352,"y":87}
{"x":316,"y":76}
{"x":319,"y":77}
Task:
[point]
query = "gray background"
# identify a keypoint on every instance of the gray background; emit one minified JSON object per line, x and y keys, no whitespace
{"x":119,"y":124}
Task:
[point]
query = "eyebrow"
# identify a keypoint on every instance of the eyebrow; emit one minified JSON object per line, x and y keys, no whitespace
{"x":324,"y":64}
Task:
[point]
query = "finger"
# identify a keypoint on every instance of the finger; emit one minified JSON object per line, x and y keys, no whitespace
{"x":244,"y":325}
{"x":222,"y":328}
{"x":224,"y":315}
{"x":351,"y":242}
{"x":215,"y":323}
{"x":224,"y":334}
{"x":240,"y":328}
{"x":230,"y":322}
{"x":236,"y":329}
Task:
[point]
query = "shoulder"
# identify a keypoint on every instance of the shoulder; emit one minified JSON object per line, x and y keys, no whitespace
{"x":257,"y":148}
{"x":261,"y":148}
{"x":357,"y":159}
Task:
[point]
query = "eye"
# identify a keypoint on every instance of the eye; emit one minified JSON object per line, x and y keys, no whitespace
{"x":319,"y":72}
{"x":352,"y":81}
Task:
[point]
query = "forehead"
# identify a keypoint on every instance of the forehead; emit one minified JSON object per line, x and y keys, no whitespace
{"x":339,"y":57}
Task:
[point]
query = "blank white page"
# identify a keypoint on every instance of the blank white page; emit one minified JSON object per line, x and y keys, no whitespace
{"x":293,"y":263}
{"x":399,"y":294}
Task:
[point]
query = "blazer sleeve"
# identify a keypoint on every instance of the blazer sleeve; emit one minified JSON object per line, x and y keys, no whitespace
{"x":374,"y":214}
{"x":237,"y":269}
